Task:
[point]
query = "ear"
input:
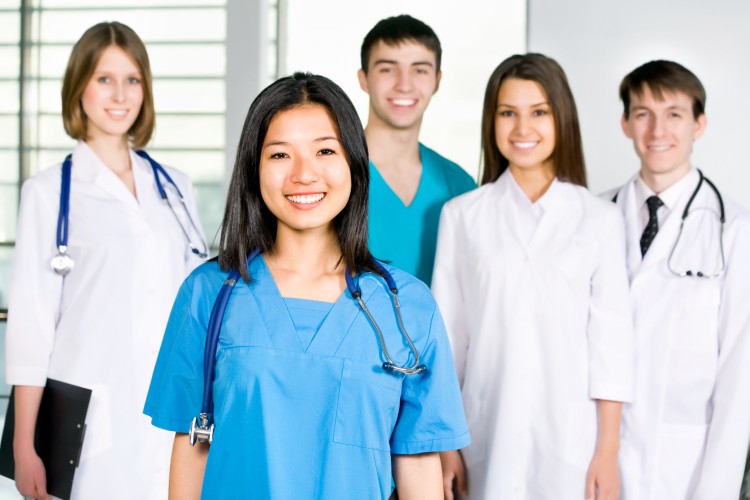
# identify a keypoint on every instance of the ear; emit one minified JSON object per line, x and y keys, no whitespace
{"x":625,"y":126}
{"x":438,"y":77}
{"x":700,"y":127}
{"x":362,"y":77}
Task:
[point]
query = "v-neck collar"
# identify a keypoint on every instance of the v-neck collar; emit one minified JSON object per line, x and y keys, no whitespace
{"x":509,"y":197}
{"x":87,"y":166}
{"x":426,"y":171}
{"x":279,"y":324}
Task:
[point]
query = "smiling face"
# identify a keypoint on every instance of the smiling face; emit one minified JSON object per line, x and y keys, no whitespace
{"x":304,"y":173}
{"x":400,"y":80}
{"x":663,"y":131}
{"x":524,"y":125}
{"x":113,"y":97}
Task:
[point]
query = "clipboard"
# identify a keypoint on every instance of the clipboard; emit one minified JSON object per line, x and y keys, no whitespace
{"x":60,"y":428}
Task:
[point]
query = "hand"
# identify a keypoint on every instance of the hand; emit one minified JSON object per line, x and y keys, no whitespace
{"x":603,"y":477}
{"x":31,"y":478}
{"x":453,"y":470}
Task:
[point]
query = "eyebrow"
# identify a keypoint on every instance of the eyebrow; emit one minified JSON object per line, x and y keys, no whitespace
{"x":646,"y":108}
{"x":543,"y":103}
{"x":392,"y":61}
{"x":319,"y":139}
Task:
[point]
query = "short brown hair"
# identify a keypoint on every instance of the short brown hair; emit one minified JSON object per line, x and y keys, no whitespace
{"x":663,"y":76}
{"x":567,"y":157}
{"x":82,"y":63}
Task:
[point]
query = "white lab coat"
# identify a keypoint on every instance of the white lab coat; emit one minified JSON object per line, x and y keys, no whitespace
{"x":100,"y":326}
{"x":539,"y":330}
{"x":686,"y":434}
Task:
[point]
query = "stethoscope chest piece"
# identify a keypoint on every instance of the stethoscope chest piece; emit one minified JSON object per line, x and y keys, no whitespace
{"x":201,"y":432}
{"x":62,"y":263}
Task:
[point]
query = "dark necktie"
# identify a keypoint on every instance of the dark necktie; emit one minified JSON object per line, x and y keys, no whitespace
{"x":653,"y":202}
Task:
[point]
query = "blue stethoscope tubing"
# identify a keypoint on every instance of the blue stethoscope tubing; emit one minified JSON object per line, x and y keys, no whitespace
{"x":62,"y":263}
{"x":159,"y":170}
{"x":202,"y":426}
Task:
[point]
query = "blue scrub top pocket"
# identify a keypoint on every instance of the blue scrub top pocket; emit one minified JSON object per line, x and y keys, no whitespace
{"x":368,"y":405}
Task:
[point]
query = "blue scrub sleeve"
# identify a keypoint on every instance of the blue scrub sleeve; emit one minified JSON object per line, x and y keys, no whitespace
{"x":176,"y":390}
{"x":431,"y":417}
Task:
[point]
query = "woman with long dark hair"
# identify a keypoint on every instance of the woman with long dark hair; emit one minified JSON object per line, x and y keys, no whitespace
{"x":319,"y":388}
{"x":530,"y":276}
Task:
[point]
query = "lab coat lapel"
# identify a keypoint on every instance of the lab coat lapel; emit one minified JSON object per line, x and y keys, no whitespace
{"x":272,"y":309}
{"x":88,"y":167}
{"x":507,"y":209}
{"x":339,"y":321}
{"x":627,"y":203}
{"x":552,"y":218}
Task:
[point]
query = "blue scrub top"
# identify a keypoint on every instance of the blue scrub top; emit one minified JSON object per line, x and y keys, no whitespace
{"x":406,"y":236}
{"x":307,"y":421}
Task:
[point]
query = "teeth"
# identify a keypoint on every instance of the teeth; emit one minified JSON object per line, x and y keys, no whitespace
{"x":404,"y":102}
{"x":659,"y":148}
{"x":118,"y":112}
{"x":304,"y":199}
{"x":524,"y":145}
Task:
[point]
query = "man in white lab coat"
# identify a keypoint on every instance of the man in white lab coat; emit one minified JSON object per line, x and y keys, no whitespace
{"x":686,"y":434}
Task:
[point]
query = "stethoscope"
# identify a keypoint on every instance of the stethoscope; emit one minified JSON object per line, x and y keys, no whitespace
{"x":62,"y":263}
{"x":685,"y":213}
{"x":722,"y":219}
{"x":202,"y":426}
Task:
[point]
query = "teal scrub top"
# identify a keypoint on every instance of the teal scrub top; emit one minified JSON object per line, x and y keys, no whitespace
{"x":406,"y":236}
{"x":310,"y":416}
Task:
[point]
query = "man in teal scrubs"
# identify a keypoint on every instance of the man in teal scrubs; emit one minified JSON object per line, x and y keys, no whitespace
{"x":409,"y":182}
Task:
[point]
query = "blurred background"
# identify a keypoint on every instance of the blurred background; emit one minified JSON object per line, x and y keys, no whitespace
{"x":210,"y":58}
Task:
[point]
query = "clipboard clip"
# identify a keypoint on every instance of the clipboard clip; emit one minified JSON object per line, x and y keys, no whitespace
{"x":201,"y":432}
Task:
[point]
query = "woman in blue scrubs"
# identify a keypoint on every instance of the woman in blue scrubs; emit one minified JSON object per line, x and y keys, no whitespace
{"x":302,"y":405}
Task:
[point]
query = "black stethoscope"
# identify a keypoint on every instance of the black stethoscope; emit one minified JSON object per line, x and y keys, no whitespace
{"x":722,"y":219}
{"x":202,"y":426}
{"x":685,"y":213}
{"x":62,"y":263}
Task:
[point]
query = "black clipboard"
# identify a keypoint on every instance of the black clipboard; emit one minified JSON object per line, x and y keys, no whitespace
{"x":60,"y":428}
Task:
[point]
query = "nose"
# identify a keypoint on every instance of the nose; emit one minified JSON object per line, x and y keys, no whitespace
{"x":118,"y":92}
{"x":303,"y":171}
{"x":404,"y":81}
{"x":658,"y":126}
{"x":521,"y":124}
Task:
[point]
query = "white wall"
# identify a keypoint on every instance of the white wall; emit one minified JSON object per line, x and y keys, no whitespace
{"x":599,"y":42}
{"x":325,"y":38}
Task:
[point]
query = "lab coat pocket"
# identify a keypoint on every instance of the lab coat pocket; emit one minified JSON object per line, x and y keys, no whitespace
{"x":367,"y":407}
{"x":581,"y":429}
{"x":97,"y":437}
{"x":699,"y":317}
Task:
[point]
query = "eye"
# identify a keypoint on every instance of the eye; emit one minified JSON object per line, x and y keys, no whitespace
{"x":133,"y":80}
{"x":675,"y":115}
{"x":385,"y":69}
{"x":103,"y":79}
{"x":505,"y":113}
{"x":326,"y":152}
{"x":279,"y":156}
{"x":422,"y":71}
{"x":540,"y":112}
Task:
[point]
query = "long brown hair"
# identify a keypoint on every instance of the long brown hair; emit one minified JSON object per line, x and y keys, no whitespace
{"x":567,"y":156}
